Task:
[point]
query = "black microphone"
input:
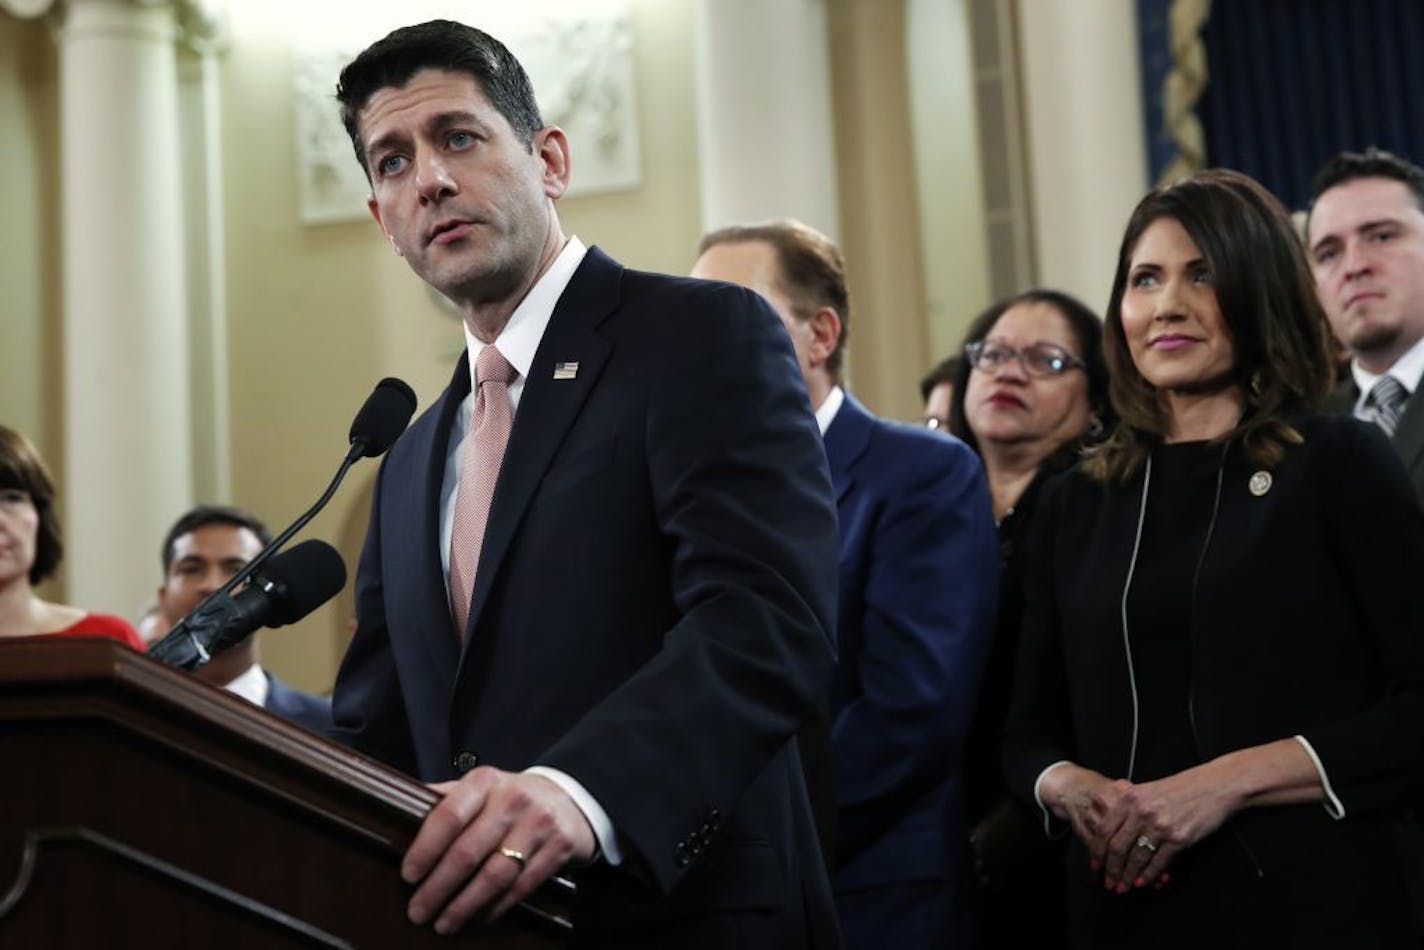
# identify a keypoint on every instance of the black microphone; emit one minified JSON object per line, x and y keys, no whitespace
{"x":290,"y":586}
{"x":380,"y":421}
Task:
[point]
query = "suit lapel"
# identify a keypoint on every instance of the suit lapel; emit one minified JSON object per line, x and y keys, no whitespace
{"x":847,"y":438}
{"x":547,"y":409}
{"x":1409,"y":436}
{"x":417,"y":544}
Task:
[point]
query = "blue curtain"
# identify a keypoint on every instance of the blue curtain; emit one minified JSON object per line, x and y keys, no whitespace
{"x":1292,"y":82}
{"x":1156,"y":58}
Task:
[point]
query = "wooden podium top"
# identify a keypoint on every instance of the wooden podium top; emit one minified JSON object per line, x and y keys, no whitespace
{"x":191,"y":814}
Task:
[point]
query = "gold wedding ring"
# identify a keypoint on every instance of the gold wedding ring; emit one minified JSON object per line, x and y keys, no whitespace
{"x":518,"y":856}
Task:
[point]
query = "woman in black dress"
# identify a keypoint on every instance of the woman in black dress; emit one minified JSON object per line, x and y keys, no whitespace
{"x":1220,"y":690}
{"x":1033,"y":387}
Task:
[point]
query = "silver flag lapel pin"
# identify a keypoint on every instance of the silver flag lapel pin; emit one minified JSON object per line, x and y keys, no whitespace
{"x":567,"y":370}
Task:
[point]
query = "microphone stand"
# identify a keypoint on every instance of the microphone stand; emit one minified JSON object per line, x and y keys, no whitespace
{"x":184,"y":628}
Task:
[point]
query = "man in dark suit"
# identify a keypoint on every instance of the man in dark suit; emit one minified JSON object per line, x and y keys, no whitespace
{"x":203,"y":549}
{"x":596,"y":596}
{"x":919,"y":585}
{"x":1365,"y":240}
{"x":1365,"y":237}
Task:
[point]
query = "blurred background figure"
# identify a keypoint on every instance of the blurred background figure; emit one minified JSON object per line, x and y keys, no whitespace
{"x":917,"y":594}
{"x":937,"y":391}
{"x":1220,"y":685}
{"x":204,"y":548}
{"x":1365,"y":235}
{"x":30,"y":550}
{"x":1034,"y":388}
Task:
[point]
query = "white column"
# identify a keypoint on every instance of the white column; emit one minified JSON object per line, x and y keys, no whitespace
{"x":766,"y":142}
{"x":128,"y":442}
{"x":1087,"y":151}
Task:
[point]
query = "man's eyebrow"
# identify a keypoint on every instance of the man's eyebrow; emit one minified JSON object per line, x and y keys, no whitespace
{"x":1377,"y":223}
{"x":436,"y":123}
{"x":1363,"y":228}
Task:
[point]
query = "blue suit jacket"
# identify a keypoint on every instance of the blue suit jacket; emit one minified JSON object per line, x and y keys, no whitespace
{"x":653,"y":608}
{"x":314,"y":712}
{"x":919,"y":587}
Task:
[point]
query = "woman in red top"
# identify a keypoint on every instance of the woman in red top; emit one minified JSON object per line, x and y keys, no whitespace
{"x":30,"y":550}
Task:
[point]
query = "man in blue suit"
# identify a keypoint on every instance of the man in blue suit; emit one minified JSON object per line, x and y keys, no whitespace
{"x":596,"y":598}
{"x":918,"y":572}
{"x":203,"y":549}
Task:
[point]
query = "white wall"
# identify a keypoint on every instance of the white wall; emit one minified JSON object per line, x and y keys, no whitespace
{"x":1087,"y":158}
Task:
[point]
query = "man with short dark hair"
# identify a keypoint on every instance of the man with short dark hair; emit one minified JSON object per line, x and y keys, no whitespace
{"x":919,"y":582}
{"x":205,"y":547}
{"x":1365,"y":239}
{"x":596,"y":595}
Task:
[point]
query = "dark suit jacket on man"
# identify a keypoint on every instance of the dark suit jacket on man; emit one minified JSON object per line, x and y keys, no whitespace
{"x":919,"y":586}
{"x":1408,"y":438}
{"x":652,"y":612}
{"x":314,"y":712}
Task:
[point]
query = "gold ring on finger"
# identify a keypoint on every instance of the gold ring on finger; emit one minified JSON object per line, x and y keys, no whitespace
{"x":516,"y":856}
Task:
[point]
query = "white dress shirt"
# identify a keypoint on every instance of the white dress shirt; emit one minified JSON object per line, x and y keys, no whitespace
{"x":1406,"y":371}
{"x":517,"y":343}
{"x":251,"y":684}
{"x":826,"y":411}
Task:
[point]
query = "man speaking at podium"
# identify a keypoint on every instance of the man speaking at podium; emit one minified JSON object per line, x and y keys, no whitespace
{"x":597,"y":591}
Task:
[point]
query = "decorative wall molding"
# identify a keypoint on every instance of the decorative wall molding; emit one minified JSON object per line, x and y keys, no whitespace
{"x":582,"y":69}
{"x":202,"y":24}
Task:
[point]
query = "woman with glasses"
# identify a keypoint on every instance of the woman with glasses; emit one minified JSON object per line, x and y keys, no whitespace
{"x":30,"y":550}
{"x":1220,"y":688}
{"x":1034,"y":387}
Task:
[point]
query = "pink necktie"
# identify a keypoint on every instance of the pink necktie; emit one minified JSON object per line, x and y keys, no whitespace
{"x":480,"y":459}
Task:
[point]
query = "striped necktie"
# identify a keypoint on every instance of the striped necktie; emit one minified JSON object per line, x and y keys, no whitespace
{"x":1387,"y":398}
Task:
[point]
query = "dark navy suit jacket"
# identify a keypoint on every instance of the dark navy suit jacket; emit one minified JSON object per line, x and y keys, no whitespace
{"x":652,"y":613}
{"x":314,"y":712}
{"x":919,"y":587}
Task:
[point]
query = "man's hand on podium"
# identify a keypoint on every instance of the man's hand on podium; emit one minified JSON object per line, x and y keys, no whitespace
{"x":494,"y":838}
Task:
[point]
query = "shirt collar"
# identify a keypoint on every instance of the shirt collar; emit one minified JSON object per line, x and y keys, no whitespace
{"x":251,"y":685}
{"x":520,"y":337}
{"x":826,"y":411}
{"x":1406,"y":371}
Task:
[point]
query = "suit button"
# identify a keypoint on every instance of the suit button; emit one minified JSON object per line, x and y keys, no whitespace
{"x":466,"y":761}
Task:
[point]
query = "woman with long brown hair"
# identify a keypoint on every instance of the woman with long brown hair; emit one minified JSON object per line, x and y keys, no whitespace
{"x":30,"y":549}
{"x":1221,"y":686}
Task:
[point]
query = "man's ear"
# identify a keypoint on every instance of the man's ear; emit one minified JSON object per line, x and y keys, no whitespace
{"x":551,"y":146}
{"x":375,"y":210}
{"x":825,"y":326}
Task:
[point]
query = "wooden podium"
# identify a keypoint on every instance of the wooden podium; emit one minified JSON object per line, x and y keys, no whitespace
{"x":141,"y":808}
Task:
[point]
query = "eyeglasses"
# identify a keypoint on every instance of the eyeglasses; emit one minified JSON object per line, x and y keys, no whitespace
{"x":1037,"y":359}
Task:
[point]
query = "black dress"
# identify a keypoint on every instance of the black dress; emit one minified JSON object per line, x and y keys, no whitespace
{"x":1261,"y":606}
{"x":1019,"y":893}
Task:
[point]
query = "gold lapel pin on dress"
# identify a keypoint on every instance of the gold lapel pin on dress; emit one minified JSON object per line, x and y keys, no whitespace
{"x":566,"y":370}
{"x":1260,"y":483}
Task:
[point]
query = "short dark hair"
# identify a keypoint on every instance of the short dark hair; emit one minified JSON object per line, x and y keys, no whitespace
{"x":812,"y":271}
{"x":22,"y":467}
{"x":1371,"y":163}
{"x":1267,"y":297}
{"x":945,"y":371}
{"x":1087,"y":332}
{"x":438,"y":44}
{"x":204,"y":515}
